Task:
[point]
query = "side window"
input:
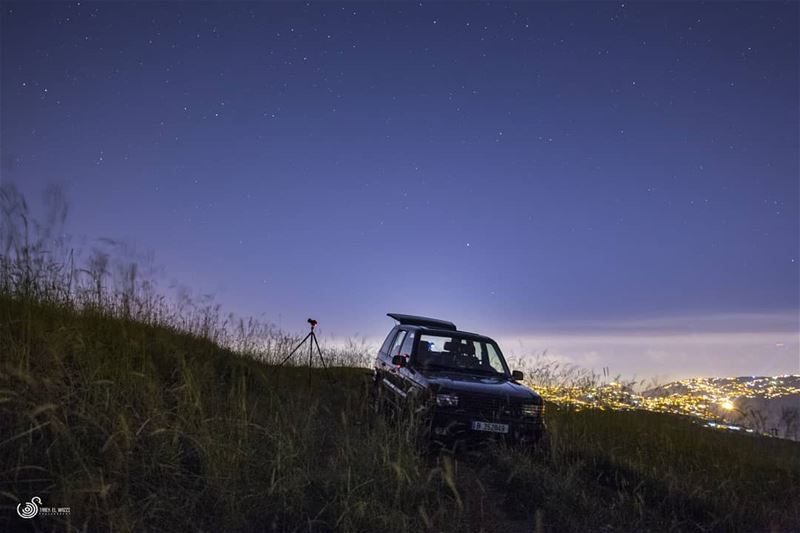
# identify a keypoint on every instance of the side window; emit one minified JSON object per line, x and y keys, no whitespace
{"x":493,"y":359}
{"x":398,"y":342}
{"x":408,"y":345}
{"x":388,"y":342}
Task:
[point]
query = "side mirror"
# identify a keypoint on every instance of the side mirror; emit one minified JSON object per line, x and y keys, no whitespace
{"x":399,"y":360}
{"x":517,"y":375}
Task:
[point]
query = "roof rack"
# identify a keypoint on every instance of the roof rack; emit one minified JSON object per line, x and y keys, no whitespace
{"x":423,"y":321}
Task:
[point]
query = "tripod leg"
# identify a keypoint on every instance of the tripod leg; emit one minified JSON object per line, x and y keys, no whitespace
{"x":314,"y":339}
{"x":310,"y":354}
{"x":295,"y":349}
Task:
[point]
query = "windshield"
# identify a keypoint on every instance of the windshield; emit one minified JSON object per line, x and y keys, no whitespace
{"x":444,"y":352}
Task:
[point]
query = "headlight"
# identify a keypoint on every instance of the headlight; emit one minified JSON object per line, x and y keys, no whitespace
{"x":446,"y":400}
{"x":532,"y":409}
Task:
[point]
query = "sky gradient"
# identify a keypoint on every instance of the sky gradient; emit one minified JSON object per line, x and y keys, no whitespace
{"x":614,"y":183}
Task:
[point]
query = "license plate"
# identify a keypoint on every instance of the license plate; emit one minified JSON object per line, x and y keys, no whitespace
{"x":490,"y":426}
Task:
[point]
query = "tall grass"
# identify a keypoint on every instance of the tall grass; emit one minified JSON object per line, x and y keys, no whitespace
{"x":140,"y":427}
{"x":146,"y":413}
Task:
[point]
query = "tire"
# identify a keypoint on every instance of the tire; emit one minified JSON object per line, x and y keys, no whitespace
{"x":541,"y":446}
{"x":376,"y":399}
{"x":535,"y":444}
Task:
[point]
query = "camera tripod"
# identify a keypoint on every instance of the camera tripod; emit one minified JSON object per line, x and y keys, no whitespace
{"x":312,"y":341}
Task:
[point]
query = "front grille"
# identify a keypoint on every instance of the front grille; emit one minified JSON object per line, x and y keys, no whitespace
{"x":490,"y":407}
{"x":495,"y":408}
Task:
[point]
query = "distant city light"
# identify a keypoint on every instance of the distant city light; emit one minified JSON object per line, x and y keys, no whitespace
{"x":712,"y":400}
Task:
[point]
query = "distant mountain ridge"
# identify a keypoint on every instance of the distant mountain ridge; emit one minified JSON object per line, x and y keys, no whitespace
{"x":732,"y":387}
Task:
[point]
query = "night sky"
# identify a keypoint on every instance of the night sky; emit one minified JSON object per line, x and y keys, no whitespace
{"x":614,"y":183}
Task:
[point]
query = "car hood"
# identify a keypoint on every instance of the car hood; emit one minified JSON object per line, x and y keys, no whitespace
{"x":476,"y":384}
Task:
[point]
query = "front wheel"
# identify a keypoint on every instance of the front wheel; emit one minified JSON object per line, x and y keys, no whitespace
{"x":535,"y":443}
{"x":377,"y":401}
{"x":541,"y":445}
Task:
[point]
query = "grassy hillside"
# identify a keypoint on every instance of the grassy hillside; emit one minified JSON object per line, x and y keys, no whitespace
{"x":142,"y":427}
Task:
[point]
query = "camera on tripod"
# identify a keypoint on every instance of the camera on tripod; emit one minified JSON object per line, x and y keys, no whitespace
{"x":312,"y":343}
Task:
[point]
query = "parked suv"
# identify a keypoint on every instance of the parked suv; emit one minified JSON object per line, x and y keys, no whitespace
{"x":458,"y":382}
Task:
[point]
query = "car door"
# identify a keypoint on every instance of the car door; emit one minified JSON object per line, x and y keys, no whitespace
{"x":383,"y":361}
{"x":406,"y":376}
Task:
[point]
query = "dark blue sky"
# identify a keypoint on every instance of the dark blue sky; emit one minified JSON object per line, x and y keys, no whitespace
{"x":515,"y":168}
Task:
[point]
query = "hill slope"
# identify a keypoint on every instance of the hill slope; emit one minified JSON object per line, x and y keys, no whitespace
{"x":141,"y":427}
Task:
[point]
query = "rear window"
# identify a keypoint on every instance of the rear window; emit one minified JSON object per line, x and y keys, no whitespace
{"x":388,"y":342}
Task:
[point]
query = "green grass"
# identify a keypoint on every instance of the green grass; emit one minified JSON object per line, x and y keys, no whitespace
{"x":142,"y":427}
{"x":651,"y":471}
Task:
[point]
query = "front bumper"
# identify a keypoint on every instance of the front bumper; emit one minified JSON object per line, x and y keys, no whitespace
{"x":450,"y":424}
